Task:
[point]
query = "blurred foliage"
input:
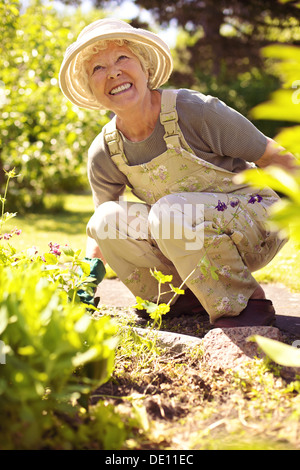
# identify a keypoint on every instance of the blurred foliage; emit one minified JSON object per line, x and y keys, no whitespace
{"x":228,"y":32}
{"x":278,"y":352}
{"x":41,"y":134}
{"x":285,"y":214}
{"x":283,"y":103}
{"x":242,"y":88}
{"x":54,"y":357}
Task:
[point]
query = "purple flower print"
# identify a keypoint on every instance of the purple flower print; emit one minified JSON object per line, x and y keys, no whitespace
{"x":221,"y":206}
{"x":255,"y":198}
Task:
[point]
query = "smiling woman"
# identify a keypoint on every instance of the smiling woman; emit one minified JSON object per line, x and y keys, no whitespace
{"x":179,"y":151}
{"x":152,"y":52}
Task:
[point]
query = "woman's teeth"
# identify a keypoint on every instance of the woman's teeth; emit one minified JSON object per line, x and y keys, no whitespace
{"x":120,"y":88}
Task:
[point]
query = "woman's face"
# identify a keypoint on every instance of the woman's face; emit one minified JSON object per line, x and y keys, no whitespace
{"x":117,"y":79}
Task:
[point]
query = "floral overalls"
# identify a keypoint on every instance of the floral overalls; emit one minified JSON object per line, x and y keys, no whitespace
{"x":236,"y":240}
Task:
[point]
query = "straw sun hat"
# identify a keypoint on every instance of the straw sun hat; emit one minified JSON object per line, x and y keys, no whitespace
{"x":70,"y":75}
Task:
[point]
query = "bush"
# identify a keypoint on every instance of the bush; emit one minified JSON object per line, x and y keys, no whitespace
{"x":55,"y":354}
{"x":42,"y":135}
{"x":53,"y":351}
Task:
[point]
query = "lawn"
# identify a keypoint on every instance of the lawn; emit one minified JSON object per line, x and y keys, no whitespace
{"x":63,"y":227}
{"x":69,"y":227}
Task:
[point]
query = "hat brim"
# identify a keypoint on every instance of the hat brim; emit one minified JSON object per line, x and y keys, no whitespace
{"x":161,"y":57}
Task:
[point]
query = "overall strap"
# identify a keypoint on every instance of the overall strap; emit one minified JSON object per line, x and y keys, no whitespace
{"x":169,"y":118}
{"x":113,"y":140}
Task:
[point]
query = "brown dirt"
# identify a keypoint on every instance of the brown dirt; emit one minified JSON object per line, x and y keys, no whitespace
{"x":185,"y":399}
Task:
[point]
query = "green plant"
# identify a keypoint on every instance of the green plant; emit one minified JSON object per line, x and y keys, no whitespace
{"x":285,"y":214}
{"x":53,"y":351}
{"x":55,"y":354}
{"x":279,"y":352}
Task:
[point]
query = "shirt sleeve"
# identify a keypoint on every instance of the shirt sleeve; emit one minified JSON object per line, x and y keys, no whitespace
{"x":106,"y":181}
{"x":229,"y":133}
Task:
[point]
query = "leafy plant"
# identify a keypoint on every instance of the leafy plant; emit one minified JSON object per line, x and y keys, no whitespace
{"x":285,"y":215}
{"x":53,"y":352}
{"x":279,"y":352}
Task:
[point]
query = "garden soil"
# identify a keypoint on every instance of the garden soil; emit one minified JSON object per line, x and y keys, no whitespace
{"x":177,"y":389}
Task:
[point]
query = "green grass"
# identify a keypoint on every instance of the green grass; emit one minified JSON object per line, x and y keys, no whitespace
{"x":63,"y":227}
{"x":69,"y":227}
{"x":284,"y":268}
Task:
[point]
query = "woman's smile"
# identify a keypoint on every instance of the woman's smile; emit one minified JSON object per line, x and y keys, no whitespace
{"x":120,"y":89}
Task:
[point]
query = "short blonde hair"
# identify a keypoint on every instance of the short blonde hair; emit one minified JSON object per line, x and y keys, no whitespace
{"x":80,"y":66}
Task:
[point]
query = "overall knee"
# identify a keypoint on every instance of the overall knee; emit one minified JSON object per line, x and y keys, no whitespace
{"x":104,"y":222}
{"x":166,"y":217}
{"x":174,"y":218}
{"x":119,"y":220}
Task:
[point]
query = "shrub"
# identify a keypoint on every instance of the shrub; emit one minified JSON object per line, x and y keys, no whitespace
{"x":53,"y":351}
{"x":55,"y":354}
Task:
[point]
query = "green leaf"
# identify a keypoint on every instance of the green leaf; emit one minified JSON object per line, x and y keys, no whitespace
{"x":275,"y":177}
{"x":160,"y":277}
{"x":50,"y":258}
{"x":86,"y":268}
{"x":213,"y":273}
{"x":7,"y":216}
{"x":67,"y":250}
{"x":82,"y":358}
{"x":280,"y":353}
{"x":203,"y":270}
{"x":160,"y":309}
{"x":177,"y":290}
{"x":82,"y":324}
{"x":282,"y":107}
{"x":145,"y":305}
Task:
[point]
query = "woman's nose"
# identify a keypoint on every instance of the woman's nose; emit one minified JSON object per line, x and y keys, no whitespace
{"x":114,"y":72}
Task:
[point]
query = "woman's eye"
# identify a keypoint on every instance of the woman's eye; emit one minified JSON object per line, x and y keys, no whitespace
{"x":122,"y":57}
{"x":97,"y":67}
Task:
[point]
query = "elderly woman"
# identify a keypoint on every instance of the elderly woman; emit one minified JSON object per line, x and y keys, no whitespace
{"x":179,"y":151}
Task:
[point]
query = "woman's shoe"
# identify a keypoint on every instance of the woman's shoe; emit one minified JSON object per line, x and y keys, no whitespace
{"x":259,"y":312}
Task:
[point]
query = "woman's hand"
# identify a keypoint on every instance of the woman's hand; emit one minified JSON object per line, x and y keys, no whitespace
{"x":277,"y":155}
{"x":93,"y":250}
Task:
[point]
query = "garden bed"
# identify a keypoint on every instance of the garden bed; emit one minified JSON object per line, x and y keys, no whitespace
{"x":188,"y":404}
